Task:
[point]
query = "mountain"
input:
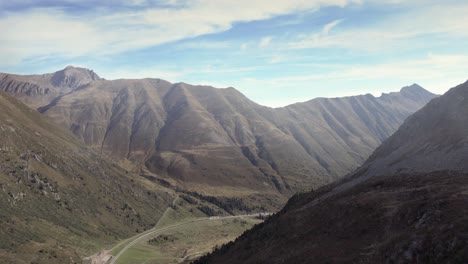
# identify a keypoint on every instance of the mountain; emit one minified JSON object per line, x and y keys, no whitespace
{"x":59,"y":200}
{"x":217,"y":141}
{"x":39,"y":90}
{"x":434,"y":138}
{"x":407,"y":204}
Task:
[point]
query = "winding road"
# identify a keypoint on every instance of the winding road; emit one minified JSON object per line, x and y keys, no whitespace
{"x":113,"y":260}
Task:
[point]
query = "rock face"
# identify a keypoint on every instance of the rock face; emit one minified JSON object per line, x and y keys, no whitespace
{"x":60,"y":201}
{"x":207,"y":139}
{"x":407,"y":204}
{"x":40,"y":90}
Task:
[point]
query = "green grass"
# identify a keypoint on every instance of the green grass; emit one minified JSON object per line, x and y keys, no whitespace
{"x":183,"y":212}
{"x":187,"y":242}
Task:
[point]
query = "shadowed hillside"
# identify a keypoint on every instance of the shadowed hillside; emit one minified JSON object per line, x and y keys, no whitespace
{"x":407,"y":204}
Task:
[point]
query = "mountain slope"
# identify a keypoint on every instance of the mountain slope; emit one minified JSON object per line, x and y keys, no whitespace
{"x":434,"y":138}
{"x":218,"y":142}
{"x":60,"y":201}
{"x":39,"y":90}
{"x":407,"y":204}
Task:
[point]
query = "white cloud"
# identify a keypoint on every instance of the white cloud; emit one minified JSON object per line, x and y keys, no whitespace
{"x":136,"y":2}
{"x":432,"y":72}
{"x":190,"y":75}
{"x":326,"y":29}
{"x":204,"y":45}
{"x":53,"y":32}
{"x":402,"y":30}
{"x":264,"y":42}
{"x":429,"y":68}
{"x":171,"y":76}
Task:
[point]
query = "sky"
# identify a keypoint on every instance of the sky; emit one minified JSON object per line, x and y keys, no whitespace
{"x":275,"y":52}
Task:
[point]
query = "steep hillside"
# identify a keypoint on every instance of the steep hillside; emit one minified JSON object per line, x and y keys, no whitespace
{"x":218,"y":142}
{"x":407,"y":204}
{"x":60,"y":201}
{"x":434,"y":138}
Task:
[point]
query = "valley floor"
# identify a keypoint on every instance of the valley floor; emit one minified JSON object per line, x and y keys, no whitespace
{"x":178,"y":237}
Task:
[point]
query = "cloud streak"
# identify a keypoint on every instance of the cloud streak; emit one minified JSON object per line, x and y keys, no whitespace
{"x":328,"y":27}
{"x":403,"y":30}
{"x":432,"y":72}
{"x":260,"y":47}
{"x":51,"y":31}
{"x":264,"y":42}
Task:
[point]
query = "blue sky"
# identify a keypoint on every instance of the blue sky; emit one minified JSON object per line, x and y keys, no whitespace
{"x":275,"y":52}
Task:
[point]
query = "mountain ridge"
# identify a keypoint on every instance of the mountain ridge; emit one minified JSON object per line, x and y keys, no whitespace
{"x":406,"y":204}
{"x":447,"y":136}
{"x":93,"y":76}
{"x":201,"y":138}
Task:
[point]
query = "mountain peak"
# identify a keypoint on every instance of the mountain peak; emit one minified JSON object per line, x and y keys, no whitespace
{"x":433,"y":138}
{"x":416,"y":92}
{"x":70,"y":69}
{"x":74,"y":77}
{"x":414,"y":89}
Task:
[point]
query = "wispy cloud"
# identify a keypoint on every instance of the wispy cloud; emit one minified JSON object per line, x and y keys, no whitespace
{"x":53,"y":32}
{"x":432,"y":72}
{"x":326,"y":29}
{"x":402,"y":30}
{"x":264,"y":42}
{"x":128,"y":73}
{"x":204,"y":45}
{"x":432,"y":67}
{"x":173,"y":75}
{"x":352,"y":46}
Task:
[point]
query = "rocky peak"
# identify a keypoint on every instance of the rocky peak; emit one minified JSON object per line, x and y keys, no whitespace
{"x":416,"y":92}
{"x":414,"y":89}
{"x":74,"y":77}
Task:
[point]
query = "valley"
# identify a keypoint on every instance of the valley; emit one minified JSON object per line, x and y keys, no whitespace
{"x":233,"y":132}
{"x":181,"y":235}
{"x":197,"y":179}
{"x":61,"y":201}
{"x":206,"y":155}
{"x":406,"y":204}
{"x":184,"y":242}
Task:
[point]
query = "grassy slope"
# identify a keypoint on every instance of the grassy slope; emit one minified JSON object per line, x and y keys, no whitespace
{"x":59,"y":200}
{"x":185,"y":242}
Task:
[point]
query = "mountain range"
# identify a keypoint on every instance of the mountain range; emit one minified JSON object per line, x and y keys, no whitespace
{"x":217,"y":141}
{"x":406,"y":204}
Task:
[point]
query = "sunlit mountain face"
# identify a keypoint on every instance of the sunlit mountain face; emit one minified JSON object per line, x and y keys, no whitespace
{"x":217,"y":141}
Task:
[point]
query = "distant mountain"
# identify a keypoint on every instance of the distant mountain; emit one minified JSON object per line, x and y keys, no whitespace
{"x":60,"y":201}
{"x":407,"y":204}
{"x":39,"y":90}
{"x":434,"y":138}
{"x":217,"y":141}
